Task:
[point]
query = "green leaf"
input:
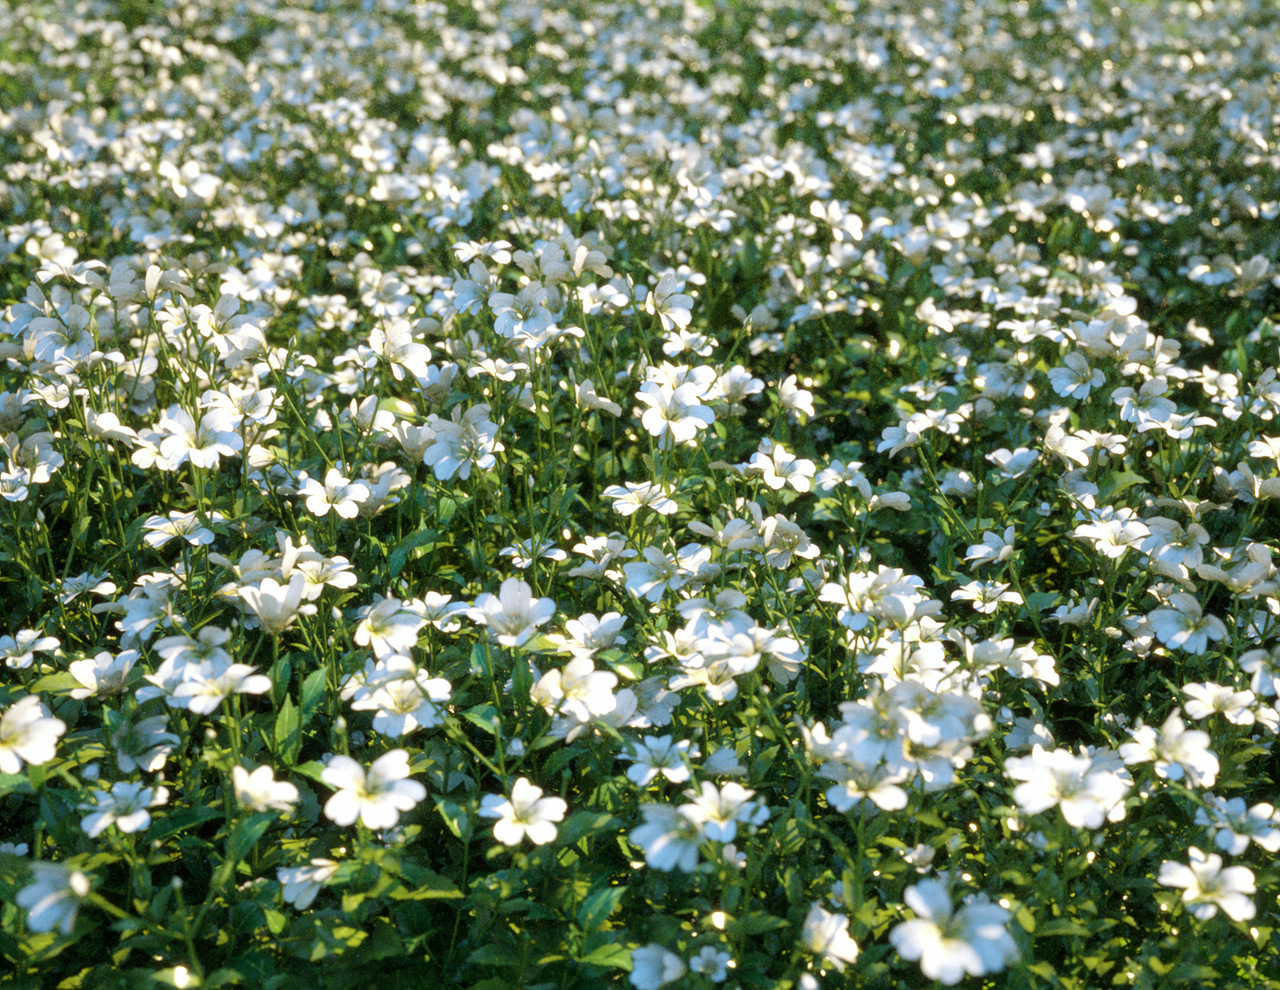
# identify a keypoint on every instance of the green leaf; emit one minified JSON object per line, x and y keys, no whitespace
{"x":281,"y":678}
{"x":173,"y":823}
{"x":14,"y":783}
{"x":456,"y":818}
{"x":313,"y":691}
{"x":288,"y":733}
{"x":482,"y":717}
{"x":247,"y":832}
{"x":597,"y":907}
{"x":495,"y":955}
{"x":755,"y":923}
{"x":56,"y":683}
{"x":610,"y":956}
{"x":312,"y":770}
{"x":583,"y":823}
{"x":422,"y":884}
{"x":418,"y":541}
{"x":1061,"y":926}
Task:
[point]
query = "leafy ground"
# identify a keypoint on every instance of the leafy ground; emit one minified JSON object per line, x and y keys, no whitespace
{"x":729,"y":494}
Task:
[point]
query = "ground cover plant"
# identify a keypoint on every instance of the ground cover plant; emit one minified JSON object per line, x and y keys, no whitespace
{"x":771,"y":494}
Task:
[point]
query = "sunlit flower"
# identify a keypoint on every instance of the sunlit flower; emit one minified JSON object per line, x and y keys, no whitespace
{"x":465,"y":441}
{"x":513,"y":615}
{"x":202,"y":444}
{"x":986,"y":596}
{"x":719,"y":810}
{"x":53,"y":897}
{"x":670,"y":838}
{"x":19,"y":650}
{"x":104,"y":674}
{"x":1204,"y":700}
{"x":654,"y":755}
{"x":187,"y":525}
{"x":674,"y":414}
{"x":669,"y":304}
{"x":652,"y":967}
{"x":525,"y":813}
{"x":301,"y":883}
{"x":1086,"y":794}
{"x":826,"y":935}
{"x":277,"y":606}
{"x":627,"y":499}
{"x":28,"y":734}
{"x":388,"y":627}
{"x":1176,"y":750}
{"x":378,"y":797}
{"x":260,"y":791}
{"x":1207,"y":886}
{"x":339,"y":494}
{"x":951,"y":943}
{"x":125,"y":806}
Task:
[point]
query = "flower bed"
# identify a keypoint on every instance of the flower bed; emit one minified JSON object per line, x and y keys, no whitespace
{"x":695,"y":494}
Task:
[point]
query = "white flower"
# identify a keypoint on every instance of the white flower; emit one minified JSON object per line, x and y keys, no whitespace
{"x":53,"y":897}
{"x":986,"y":595}
{"x":205,"y":685}
{"x":464,"y":441}
{"x":670,"y":838}
{"x":124,"y":806}
{"x":302,"y":883}
{"x":949,"y":943}
{"x":525,"y":813}
{"x":260,"y":791}
{"x":994,"y":548}
{"x":105,"y":674}
{"x":588,"y":634}
{"x":579,"y":691}
{"x":827,"y":935}
{"x":1176,"y":750}
{"x":1234,"y":827}
{"x":1209,"y":887}
{"x":1013,"y":464}
{"x":513,"y":615}
{"x":19,"y":651}
{"x":338,"y":493}
{"x":655,"y":755}
{"x":1184,"y":626}
{"x":795,"y":399}
{"x":388,"y":627}
{"x":626,"y":500}
{"x":1208,"y":699}
{"x":1077,"y":379}
{"x":28,"y":734}
{"x":720,"y":810}
{"x":674,"y":414}
{"x":187,"y":525}
{"x":672,"y":307}
{"x":780,"y":467}
{"x":652,"y":967}
{"x":376,"y":798}
{"x":1086,"y":793}
{"x":277,"y":606}
{"x":712,"y":963}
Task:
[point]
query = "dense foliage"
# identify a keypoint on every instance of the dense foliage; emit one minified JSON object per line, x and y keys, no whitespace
{"x":767,"y":494}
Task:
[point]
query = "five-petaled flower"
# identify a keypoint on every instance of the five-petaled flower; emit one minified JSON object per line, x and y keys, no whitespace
{"x":377,"y":797}
{"x":525,"y":814}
